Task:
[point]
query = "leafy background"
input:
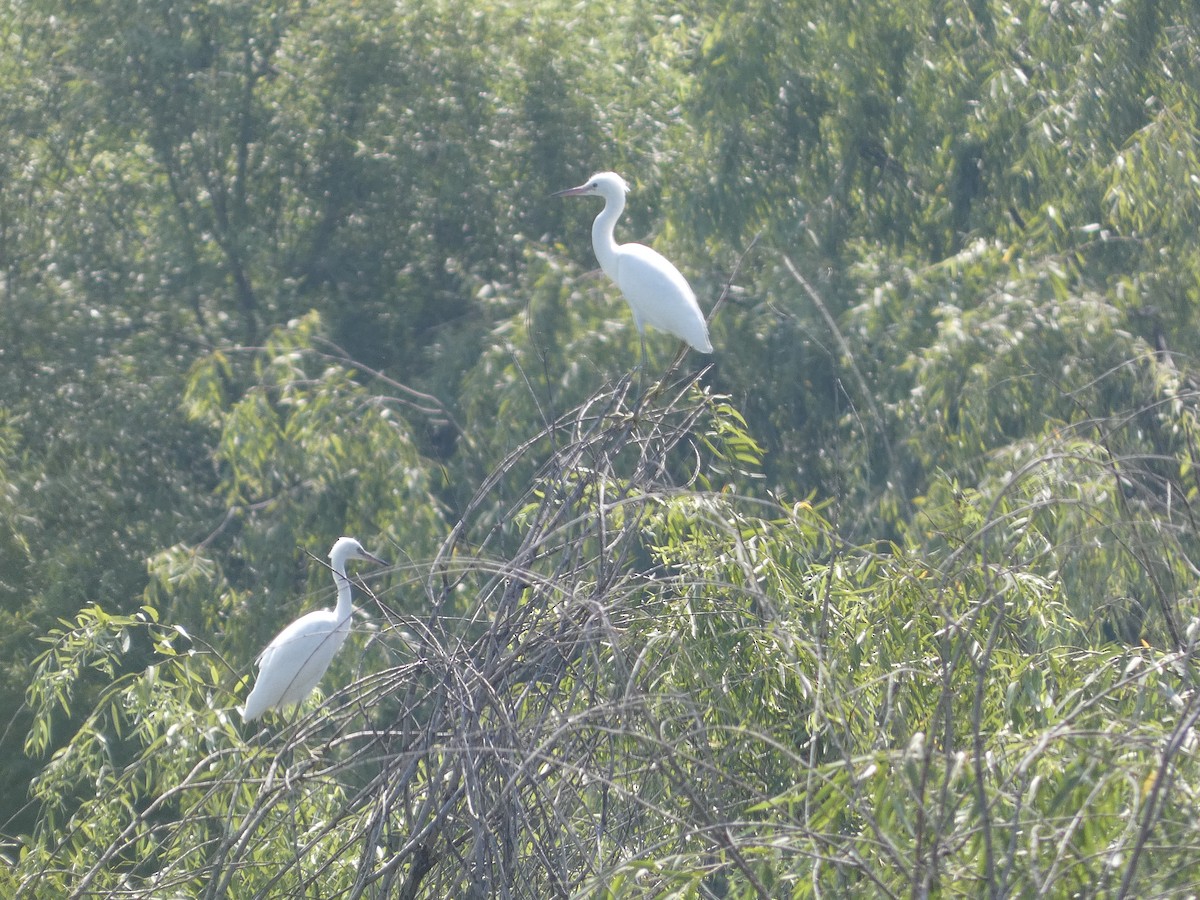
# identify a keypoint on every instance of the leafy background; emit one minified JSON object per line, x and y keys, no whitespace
{"x":894,"y":595}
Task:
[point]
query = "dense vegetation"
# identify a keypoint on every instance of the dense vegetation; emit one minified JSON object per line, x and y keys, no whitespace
{"x":895,"y":594}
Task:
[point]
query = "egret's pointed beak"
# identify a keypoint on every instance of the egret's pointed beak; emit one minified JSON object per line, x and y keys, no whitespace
{"x":373,"y":558}
{"x":572,"y":192}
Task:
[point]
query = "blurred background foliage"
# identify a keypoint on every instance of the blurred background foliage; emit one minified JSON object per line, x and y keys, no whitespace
{"x":271,"y":272}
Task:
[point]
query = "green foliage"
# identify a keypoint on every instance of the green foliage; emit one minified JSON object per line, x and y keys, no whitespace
{"x":893,"y":594}
{"x":305,"y":453}
{"x":157,"y":761}
{"x":653,"y":690}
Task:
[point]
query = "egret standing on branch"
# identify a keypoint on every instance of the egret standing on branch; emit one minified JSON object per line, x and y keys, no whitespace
{"x":657,"y":293}
{"x":294,"y":662}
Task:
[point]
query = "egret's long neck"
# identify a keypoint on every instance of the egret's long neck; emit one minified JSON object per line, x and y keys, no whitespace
{"x":344,"y":607}
{"x":603,"y":241}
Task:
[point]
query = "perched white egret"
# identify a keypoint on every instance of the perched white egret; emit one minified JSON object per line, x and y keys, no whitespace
{"x":294,"y":662}
{"x":657,"y":293}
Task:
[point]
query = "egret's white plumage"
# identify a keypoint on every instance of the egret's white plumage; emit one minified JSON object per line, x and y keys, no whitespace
{"x":292,"y":664}
{"x":657,"y":293}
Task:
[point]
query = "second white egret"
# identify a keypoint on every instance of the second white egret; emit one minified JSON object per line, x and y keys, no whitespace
{"x":292,"y":664}
{"x":655,"y":290}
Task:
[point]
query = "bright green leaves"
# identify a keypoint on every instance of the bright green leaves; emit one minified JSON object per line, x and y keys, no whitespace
{"x":1031,"y":409}
{"x":306,"y":453}
{"x":157,"y":716}
{"x":891,"y":720}
{"x":735,"y":452}
{"x":94,"y":641}
{"x":963,"y":337}
{"x":155,"y":776}
{"x":304,"y":429}
{"x":701,"y":686}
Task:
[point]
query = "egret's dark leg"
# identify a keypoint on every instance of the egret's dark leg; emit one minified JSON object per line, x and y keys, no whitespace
{"x":679,"y":355}
{"x":642,"y":370}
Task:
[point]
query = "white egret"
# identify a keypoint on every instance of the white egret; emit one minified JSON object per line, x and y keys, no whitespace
{"x":292,"y":664}
{"x":655,"y":290}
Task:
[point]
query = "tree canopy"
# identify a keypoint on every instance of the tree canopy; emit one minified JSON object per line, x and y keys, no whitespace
{"x":894,"y":594}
